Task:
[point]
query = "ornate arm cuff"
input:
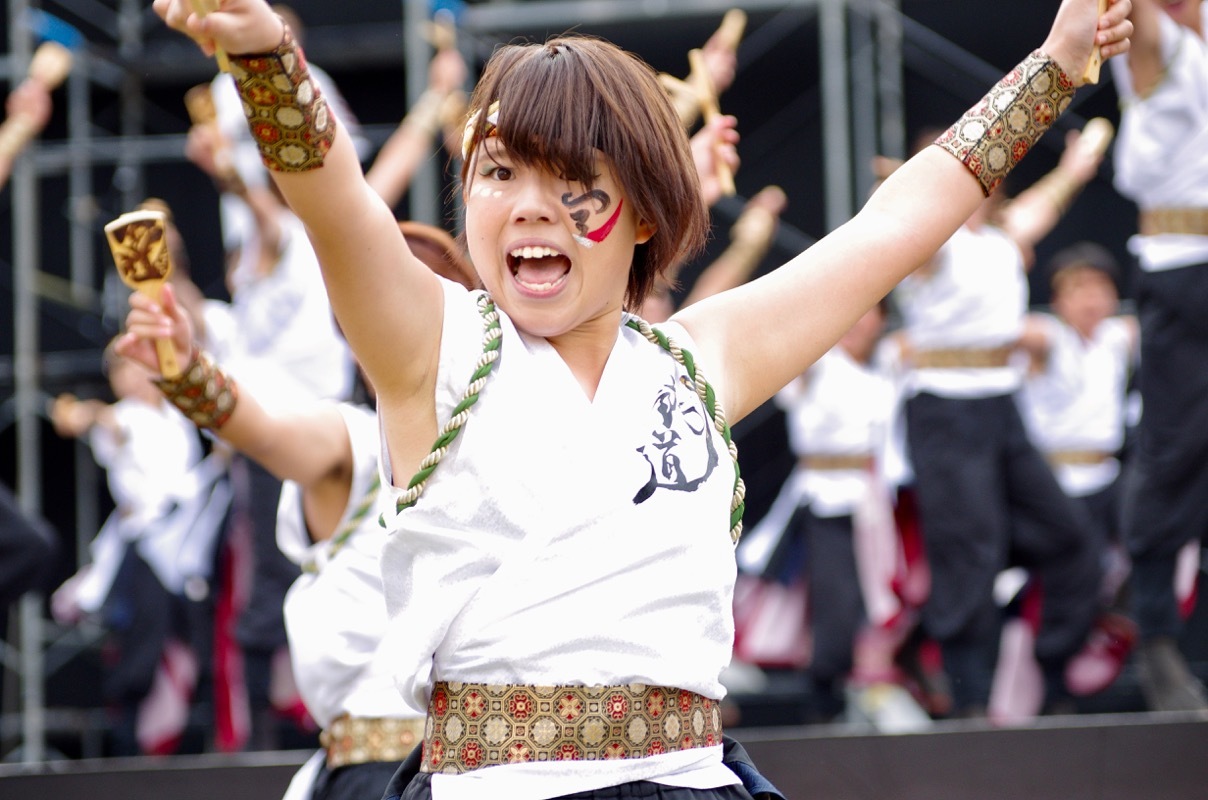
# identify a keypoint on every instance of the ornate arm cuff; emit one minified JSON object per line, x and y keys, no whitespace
{"x":286,"y":112}
{"x":992,"y":136}
{"x":203,"y":392}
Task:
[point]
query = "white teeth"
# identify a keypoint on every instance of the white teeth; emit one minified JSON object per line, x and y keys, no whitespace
{"x":534,"y":252}
{"x":541,"y":287}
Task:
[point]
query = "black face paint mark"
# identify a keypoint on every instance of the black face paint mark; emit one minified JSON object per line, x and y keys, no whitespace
{"x":580,"y":217}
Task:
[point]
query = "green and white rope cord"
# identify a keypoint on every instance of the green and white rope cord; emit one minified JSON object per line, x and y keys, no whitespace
{"x":337,"y":542}
{"x":491,"y":341}
{"x":707,"y":396}
{"x":492,"y":335}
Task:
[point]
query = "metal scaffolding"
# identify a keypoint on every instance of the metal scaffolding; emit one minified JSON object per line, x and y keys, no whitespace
{"x":859,"y":52}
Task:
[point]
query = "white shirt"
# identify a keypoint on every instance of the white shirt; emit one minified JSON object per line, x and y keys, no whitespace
{"x":147,"y":458}
{"x":335,"y":617}
{"x":1077,"y":402}
{"x":840,"y":407}
{"x":551,"y":548}
{"x":286,"y":344}
{"x":148,"y":461}
{"x":1161,"y":152}
{"x":975,"y":297}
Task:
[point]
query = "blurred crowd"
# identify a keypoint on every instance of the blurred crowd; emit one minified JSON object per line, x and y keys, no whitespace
{"x":995,"y":508}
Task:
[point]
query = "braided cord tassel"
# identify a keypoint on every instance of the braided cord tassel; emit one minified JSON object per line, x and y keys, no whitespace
{"x":704,"y":390}
{"x":491,"y":340}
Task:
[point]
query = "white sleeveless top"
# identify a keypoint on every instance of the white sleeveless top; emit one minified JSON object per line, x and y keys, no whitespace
{"x":566,"y":541}
{"x":1078,"y":401}
{"x":840,"y":407}
{"x":1161,"y":152}
{"x":976,"y":297}
{"x":335,"y":616}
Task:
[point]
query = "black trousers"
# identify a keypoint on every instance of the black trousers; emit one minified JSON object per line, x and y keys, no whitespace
{"x":987,"y":499}
{"x":354,"y":782}
{"x":836,"y":606}
{"x":1166,"y":485}
{"x":27,"y":549}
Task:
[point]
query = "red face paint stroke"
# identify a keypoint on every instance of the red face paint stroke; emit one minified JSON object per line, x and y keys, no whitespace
{"x":601,"y":233}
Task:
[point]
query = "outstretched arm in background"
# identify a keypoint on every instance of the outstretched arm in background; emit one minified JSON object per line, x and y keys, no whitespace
{"x":1034,"y":212}
{"x":750,"y":238}
{"x":387,"y":302}
{"x":30,"y":104}
{"x":411,"y":143}
{"x":760,"y":335}
{"x":1146,"y":65}
{"x":309,"y":446}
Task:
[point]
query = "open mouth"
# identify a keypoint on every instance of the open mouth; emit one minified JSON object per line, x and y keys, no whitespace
{"x":538,"y":269}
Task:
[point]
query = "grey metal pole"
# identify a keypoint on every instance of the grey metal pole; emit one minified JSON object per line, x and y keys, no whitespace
{"x":423,"y":204}
{"x":82,"y":213}
{"x":889,"y":79}
{"x":25,"y":368}
{"x":82,"y":203}
{"x":836,"y":111}
{"x":129,"y":176}
{"x":863,"y":96}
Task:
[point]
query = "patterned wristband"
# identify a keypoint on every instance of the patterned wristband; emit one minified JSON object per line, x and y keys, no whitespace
{"x":203,"y":392}
{"x":286,"y":112}
{"x":992,"y":137}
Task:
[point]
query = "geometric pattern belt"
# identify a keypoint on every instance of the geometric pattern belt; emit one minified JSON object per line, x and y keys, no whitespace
{"x":475,"y":725}
{"x":834,"y":462}
{"x":1069,"y":458}
{"x":1193,"y":221}
{"x":360,"y":740}
{"x":962,"y":358}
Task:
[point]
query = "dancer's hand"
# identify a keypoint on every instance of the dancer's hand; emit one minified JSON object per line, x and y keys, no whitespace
{"x":237,"y":26}
{"x":1078,"y":29}
{"x":148,"y":321}
{"x":715,"y":146}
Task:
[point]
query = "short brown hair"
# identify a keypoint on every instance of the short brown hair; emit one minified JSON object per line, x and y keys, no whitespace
{"x":439,"y":250}
{"x":562,"y":101}
{"x":1079,"y":256}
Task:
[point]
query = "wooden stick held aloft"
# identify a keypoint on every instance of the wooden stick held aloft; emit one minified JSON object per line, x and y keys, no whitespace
{"x":1091,"y":73}
{"x":50,"y":65}
{"x":201,"y":8}
{"x":707,"y":97}
{"x":139,"y":243}
{"x":732,"y":27}
{"x":1097,"y":135}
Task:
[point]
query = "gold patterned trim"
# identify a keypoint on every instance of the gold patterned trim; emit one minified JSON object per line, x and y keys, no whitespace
{"x":203,"y":392}
{"x":962,"y":358}
{"x":475,"y":725}
{"x":833,"y":462}
{"x":1193,"y":221}
{"x":360,"y":740}
{"x":1068,"y":458}
{"x":286,"y":112}
{"x":992,"y":136}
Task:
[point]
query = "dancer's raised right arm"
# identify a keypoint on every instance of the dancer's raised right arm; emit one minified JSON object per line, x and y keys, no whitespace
{"x":388,"y":303}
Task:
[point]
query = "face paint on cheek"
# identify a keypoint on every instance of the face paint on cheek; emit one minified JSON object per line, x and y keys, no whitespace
{"x":580,"y":217}
{"x":601,"y":233}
